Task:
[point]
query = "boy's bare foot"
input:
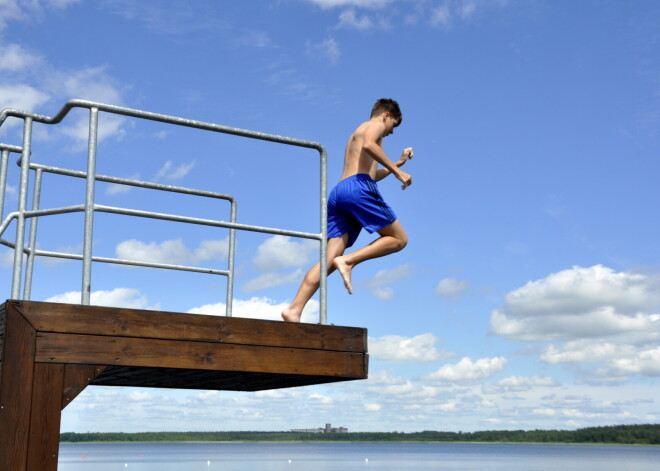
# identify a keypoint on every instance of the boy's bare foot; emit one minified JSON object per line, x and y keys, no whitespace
{"x":291,"y":315}
{"x":345,"y":272}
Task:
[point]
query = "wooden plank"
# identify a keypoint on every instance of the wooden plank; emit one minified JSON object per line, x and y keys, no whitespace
{"x":97,"y":320}
{"x":43,"y":443}
{"x":102,"y":350}
{"x":76,"y":379}
{"x":3,"y":315}
{"x":16,"y":389}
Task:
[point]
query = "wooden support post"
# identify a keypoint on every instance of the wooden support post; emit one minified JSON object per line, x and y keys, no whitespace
{"x":16,"y":384}
{"x":77,"y":378}
{"x":44,"y":440}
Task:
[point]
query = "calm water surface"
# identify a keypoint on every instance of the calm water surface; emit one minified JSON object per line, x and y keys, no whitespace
{"x":353,"y":457}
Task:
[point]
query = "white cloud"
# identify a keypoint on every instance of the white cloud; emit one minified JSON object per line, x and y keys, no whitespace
{"x":14,"y":57}
{"x":11,"y":10}
{"x":118,"y":297}
{"x":166,"y":172}
{"x":21,"y":97}
{"x":89,"y":83}
{"x":384,"y":294}
{"x":172,"y":251}
{"x":372,"y":407}
{"x":578,"y":303}
{"x":386,"y":277}
{"x":141,"y":396}
{"x":271,"y":280}
{"x":279,"y":252}
{"x":258,"y":308}
{"x":350,"y":19}
{"x":420,"y":348}
{"x":355,"y":3}
{"x":7,"y":258}
{"x":519,"y":384}
{"x":320,"y":398}
{"x":645,"y":362}
{"x":451,"y":288}
{"x":328,"y":49}
{"x":467,"y":371}
{"x":585,"y":351}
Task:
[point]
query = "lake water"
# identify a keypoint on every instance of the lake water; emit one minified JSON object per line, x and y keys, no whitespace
{"x":354,"y":457}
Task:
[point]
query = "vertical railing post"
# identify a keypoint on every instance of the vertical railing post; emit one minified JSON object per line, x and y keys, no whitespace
{"x":3,"y":181}
{"x":230,"y":262}
{"x":32,"y":241}
{"x":89,"y":207}
{"x":22,"y":204}
{"x":323,"y":287}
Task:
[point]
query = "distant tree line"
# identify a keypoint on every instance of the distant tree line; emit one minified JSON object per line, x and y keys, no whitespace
{"x":616,"y":434}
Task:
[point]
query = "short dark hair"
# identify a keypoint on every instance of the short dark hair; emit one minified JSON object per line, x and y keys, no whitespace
{"x":389,"y":105}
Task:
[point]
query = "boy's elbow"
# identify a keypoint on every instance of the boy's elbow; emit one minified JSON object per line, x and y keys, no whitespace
{"x":369,"y":146}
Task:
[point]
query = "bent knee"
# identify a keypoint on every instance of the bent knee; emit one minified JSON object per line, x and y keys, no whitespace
{"x":401,"y":243}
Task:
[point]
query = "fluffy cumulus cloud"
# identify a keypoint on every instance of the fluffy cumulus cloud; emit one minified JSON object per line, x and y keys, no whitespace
{"x":21,"y":97}
{"x":118,"y":297}
{"x":606,"y":323}
{"x":579,"y":303}
{"x":451,"y":287}
{"x":282,"y":252}
{"x":271,"y":280}
{"x":380,"y":281}
{"x":258,"y":308}
{"x":421,"y":348}
{"x":519,"y":384}
{"x":28,"y":81}
{"x":467,"y":371}
{"x":172,"y":251}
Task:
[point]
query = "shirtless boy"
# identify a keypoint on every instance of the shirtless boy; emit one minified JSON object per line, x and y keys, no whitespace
{"x":356,"y":203}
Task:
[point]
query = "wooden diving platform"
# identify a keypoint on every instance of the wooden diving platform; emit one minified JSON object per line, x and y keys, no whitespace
{"x":50,"y":352}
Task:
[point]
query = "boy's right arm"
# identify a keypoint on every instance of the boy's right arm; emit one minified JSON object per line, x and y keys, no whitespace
{"x":372,"y":135}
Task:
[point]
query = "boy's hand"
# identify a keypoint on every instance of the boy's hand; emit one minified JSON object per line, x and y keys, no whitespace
{"x":405,"y":156}
{"x":404,"y":178}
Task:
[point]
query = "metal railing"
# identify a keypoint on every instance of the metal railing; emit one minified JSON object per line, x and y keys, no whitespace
{"x":89,"y":207}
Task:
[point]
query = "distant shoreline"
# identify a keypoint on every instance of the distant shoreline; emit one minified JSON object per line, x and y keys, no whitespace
{"x":646,"y":434}
{"x":372,"y":441}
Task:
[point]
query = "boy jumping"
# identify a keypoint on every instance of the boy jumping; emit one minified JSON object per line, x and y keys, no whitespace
{"x":356,"y":203}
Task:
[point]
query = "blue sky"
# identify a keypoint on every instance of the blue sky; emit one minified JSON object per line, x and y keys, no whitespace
{"x":528,"y":296}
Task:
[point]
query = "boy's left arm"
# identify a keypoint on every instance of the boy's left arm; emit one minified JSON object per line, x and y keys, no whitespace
{"x":405,"y":156}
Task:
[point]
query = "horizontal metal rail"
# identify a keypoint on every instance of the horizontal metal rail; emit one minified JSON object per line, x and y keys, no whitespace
{"x":89,"y":208}
{"x":120,"y":110}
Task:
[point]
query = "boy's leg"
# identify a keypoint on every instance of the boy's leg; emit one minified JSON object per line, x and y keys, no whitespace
{"x":392,"y":239}
{"x":312,"y":280}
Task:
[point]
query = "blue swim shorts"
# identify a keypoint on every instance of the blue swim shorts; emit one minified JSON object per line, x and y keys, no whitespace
{"x":356,"y":203}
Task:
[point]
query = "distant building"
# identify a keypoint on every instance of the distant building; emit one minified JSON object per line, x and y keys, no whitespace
{"x":327,"y":429}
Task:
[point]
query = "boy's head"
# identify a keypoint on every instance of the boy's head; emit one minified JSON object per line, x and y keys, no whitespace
{"x":387,"y":105}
